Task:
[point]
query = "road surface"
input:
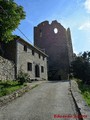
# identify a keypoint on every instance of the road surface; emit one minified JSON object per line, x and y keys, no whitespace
{"x":42,"y":103}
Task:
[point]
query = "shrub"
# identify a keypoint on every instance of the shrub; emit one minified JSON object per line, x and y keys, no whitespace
{"x":23,"y":77}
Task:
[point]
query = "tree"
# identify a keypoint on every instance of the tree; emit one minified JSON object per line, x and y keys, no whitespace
{"x":10,"y":16}
{"x":81,"y":67}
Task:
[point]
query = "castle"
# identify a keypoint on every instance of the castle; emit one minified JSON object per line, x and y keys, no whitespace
{"x":56,"y":41}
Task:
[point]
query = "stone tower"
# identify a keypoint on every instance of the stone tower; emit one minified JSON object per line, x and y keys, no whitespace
{"x":56,"y":41}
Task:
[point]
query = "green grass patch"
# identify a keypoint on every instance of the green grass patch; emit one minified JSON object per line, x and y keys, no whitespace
{"x":85,"y":91}
{"x":7,"y":87}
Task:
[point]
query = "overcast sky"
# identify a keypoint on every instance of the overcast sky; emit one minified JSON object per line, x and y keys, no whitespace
{"x":70,"y":13}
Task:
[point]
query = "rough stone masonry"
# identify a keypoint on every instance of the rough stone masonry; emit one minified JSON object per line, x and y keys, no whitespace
{"x":57,"y":43}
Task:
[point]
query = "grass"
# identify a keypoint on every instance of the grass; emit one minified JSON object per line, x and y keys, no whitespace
{"x":85,"y":91}
{"x":7,"y":87}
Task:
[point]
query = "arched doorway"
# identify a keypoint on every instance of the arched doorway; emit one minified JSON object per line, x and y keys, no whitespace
{"x":37,"y":71}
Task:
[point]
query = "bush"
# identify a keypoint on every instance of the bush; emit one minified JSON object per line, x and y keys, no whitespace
{"x":85,"y":91}
{"x":23,"y":77}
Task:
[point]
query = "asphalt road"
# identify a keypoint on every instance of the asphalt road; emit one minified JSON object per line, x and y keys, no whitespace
{"x":41,"y":103}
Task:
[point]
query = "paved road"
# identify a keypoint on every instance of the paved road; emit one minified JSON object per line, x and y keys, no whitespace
{"x":41,"y":103}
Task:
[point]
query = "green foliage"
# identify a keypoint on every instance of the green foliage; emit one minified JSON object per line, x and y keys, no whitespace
{"x":81,"y":67}
{"x":7,"y":87}
{"x":10,"y":16}
{"x":85,"y":91}
{"x":23,"y":77}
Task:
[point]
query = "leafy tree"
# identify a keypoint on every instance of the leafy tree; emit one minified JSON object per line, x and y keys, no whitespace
{"x":81,"y":67}
{"x":10,"y":16}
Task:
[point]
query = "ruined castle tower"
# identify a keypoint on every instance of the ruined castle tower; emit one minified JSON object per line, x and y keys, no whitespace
{"x":56,"y":41}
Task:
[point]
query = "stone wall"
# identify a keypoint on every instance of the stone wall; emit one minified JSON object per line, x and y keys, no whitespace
{"x":7,"y":70}
{"x":69,"y":44}
{"x":8,"y":98}
{"x":18,"y":93}
{"x":81,"y":104}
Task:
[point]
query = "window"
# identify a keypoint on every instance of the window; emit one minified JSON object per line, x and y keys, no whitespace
{"x":39,"y":55}
{"x":25,"y":48}
{"x":32,"y":52}
{"x":42,"y":69}
{"x":29,"y":66}
{"x":43,"y":57}
{"x":55,"y":30}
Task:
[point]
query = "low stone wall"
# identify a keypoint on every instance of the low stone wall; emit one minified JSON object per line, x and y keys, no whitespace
{"x":83,"y":108}
{"x":7,"y":69}
{"x":8,"y":98}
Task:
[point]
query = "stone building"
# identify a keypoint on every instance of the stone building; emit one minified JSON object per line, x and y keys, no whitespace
{"x":26,"y":57}
{"x":55,"y":40}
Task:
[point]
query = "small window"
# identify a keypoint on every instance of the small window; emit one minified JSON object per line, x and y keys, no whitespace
{"x":29,"y":66}
{"x":25,"y":48}
{"x":43,"y":57}
{"x":39,"y":55}
{"x":32,"y":52}
{"x":55,"y":30}
{"x":42,"y":69}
